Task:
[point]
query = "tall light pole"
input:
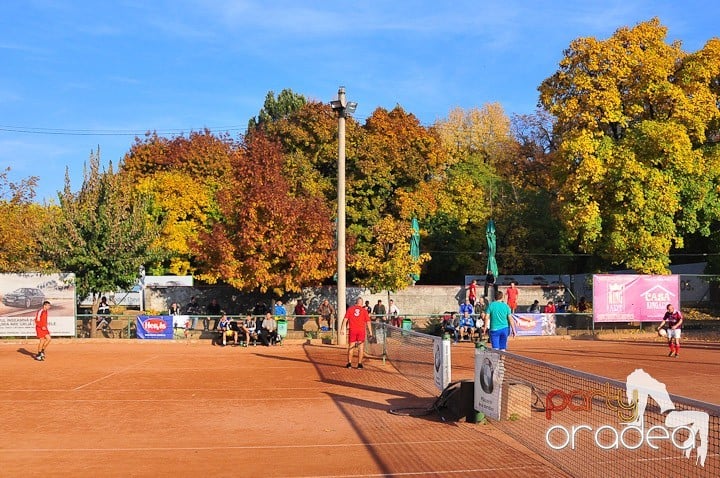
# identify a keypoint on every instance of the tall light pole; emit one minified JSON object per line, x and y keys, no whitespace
{"x":342,"y":107}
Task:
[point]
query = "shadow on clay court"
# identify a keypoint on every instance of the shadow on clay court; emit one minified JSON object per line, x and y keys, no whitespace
{"x":620,"y":355}
{"x":24,"y":351}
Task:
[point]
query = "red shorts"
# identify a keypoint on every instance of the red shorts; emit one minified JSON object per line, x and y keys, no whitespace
{"x":357,"y":336}
{"x":41,"y":334}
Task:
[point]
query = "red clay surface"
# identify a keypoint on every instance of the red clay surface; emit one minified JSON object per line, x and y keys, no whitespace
{"x":134,"y":408}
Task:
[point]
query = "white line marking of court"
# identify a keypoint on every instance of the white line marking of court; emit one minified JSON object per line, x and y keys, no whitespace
{"x":116,"y":372}
{"x":234,"y":447}
{"x":433,"y":472}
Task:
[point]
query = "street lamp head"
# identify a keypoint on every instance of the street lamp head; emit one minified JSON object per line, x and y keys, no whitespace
{"x":351,"y":107}
{"x":336,"y":105}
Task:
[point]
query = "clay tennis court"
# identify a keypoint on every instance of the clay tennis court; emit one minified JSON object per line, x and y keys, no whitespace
{"x":133,"y":408}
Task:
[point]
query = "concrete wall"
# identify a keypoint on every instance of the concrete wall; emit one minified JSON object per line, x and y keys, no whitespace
{"x":415,"y":300}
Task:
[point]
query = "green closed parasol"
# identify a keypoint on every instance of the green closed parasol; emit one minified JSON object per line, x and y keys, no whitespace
{"x":415,"y":246}
{"x":492,"y":248}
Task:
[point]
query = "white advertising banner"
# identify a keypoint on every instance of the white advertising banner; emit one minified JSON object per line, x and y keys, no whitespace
{"x":23,"y":294}
{"x":442,"y":368}
{"x":489,"y":373}
{"x":23,"y":326}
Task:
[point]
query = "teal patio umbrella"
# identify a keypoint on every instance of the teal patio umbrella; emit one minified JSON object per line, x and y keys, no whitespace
{"x":492,"y":248}
{"x":415,"y":245}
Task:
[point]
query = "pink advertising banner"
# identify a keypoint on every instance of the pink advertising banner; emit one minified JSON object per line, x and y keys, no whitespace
{"x":633,"y":298}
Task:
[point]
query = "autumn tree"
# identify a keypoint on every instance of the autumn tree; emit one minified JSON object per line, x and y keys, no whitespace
{"x":392,"y":172}
{"x":103,"y":233}
{"x":182,"y":176}
{"x":634,"y":167}
{"x":266,"y":237}
{"x":21,"y":225}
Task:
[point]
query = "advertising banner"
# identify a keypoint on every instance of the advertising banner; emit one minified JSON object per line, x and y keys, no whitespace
{"x":534,"y":324}
{"x":23,"y":294}
{"x":488,"y":382}
{"x":155,"y":327}
{"x":441,"y":355}
{"x":24,"y":326}
{"x":633,"y":298}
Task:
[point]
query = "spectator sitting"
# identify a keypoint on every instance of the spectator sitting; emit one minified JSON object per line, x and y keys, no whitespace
{"x":268,"y":332}
{"x":449,"y":326}
{"x":223,"y":326}
{"x":252,"y":329}
{"x":104,"y":313}
{"x":534,"y":308}
{"x":549,"y":308}
{"x":238,"y":327}
{"x":466,"y":326}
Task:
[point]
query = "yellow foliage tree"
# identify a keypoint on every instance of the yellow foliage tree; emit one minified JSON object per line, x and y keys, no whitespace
{"x":633,"y":168}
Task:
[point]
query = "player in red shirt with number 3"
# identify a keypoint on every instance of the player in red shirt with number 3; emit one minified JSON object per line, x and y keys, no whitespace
{"x":41,"y":330}
{"x":357,"y":320}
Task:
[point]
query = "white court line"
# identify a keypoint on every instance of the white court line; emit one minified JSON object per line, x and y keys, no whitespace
{"x":431,"y":472}
{"x":115,"y":373}
{"x":238,"y":447}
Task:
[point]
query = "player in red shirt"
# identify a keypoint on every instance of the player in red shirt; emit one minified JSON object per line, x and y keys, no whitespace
{"x":356,"y":320}
{"x":512,"y":296}
{"x":672,"y":323}
{"x":41,"y":330}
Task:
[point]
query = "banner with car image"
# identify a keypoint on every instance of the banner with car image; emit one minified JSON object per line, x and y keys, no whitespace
{"x":22,"y":294}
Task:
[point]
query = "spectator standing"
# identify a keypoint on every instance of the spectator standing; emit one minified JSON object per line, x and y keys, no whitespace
{"x":300,"y":313}
{"x":472,"y":291}
{"x":512,"y":297}
{"x":357,"y":320}
{"x":489,"y":284}
{"x":467,"y":307}
{"x":368,"y":307}
{"x":193,"y":309}
{"x":499,"y":322}
{"x":41,"y":330}
{"x":326,"y":312}
{"x":213,"y":309}
{"x":279,"y":309}
{"x":394,"y":313}
{"x":379,"y":311}
{"x":583,"y":305}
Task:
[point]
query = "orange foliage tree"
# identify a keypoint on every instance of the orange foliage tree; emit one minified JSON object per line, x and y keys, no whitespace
{"x":267,"y":238}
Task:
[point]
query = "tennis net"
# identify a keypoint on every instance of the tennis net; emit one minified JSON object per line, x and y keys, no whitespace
{"x":412,"y":353}
{"x":586,"y":425}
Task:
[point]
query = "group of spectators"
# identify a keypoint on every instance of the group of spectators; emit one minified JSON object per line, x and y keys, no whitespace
{"x":263,"y":329}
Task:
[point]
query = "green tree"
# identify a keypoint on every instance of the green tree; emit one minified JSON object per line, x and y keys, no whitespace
{"x":633,"y":168}
{"x":273,"y":109}
{"x":103,"y":233}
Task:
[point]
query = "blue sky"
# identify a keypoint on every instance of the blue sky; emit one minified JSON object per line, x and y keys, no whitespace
{"x":79,"y":74}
